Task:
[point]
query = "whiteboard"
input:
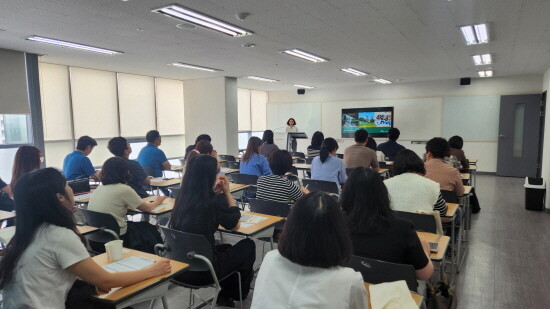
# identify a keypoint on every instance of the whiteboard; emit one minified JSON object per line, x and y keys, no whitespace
{"x":472,"y":117}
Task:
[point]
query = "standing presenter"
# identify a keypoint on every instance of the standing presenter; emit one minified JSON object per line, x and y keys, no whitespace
{"x":292,"y":128}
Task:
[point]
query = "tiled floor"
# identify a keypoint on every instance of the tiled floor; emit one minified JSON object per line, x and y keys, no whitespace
{"x":508,"y":263}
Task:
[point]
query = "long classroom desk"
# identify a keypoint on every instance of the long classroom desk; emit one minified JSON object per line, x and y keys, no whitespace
{"x":6,"y":234}
{"x":5,"y":215}
{"x":416,"y":297}
{"x":255,"y":229}
{"x":305,"y":166}
{"x":128,"y":295}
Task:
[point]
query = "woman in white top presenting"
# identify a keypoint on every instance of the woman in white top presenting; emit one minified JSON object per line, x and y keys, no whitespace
{"x":47,"y":253}
{"x":291,"y":128}
{"x":305,"y":271}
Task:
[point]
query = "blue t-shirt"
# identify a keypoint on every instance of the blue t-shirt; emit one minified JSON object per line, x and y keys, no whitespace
{"x":152,"y":157}
{"x":76,"y":164}
{"x":390,"y":149}
{"x":256,"y":165}
{"x":332,"y":169}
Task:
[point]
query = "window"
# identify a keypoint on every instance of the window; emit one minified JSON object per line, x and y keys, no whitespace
{"x":15,"y":129}
{"x":245,"y":136}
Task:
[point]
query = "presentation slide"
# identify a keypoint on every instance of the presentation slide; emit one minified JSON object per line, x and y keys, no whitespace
{"x":377,"y":121}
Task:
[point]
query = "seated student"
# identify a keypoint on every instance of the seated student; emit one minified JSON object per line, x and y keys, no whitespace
{"x":202,"y":147}
{"x":327,"y":166}
{"x":77,"y":164}
{"x":456,"y":142}
{"x":448,"y":177}
{"x":371,"y":143}
{"x":306,"y":270}
{"x":410,"y":190}
{"x":27,"y":159}
{"x":120,"y":147}
{"x":252,"y":163}
{"x":315,"y":147}
{"x":359,"y":155}
{"x":47,"y":253}
{"x":116,"y":197}
{"x":391,"y":147}
{"x":5,"y":188}
{"x":151,"y":157}
{"x":203,"y":204}
{"x":6,"y":201}
{"x":200,"y":137}
{"x":276,"y":187}
{"x":268,"y":147}
{"x":376,"y":233}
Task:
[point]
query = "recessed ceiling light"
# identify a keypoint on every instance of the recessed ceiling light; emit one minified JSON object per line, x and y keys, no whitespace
{"x":195,"y":67}
{"x":139,"y":29}
{"x":249,"y":45}
{"x":181,"y":13}
{"x":482,"y":59}
{"x":354,"y":72}
{"x":304,"y":55}
{"x":304,"y":86}
{"x":186,"y":26}
{"x":382,"y":81}
{"x":475,"y":34}
{"x":263,"y":79}
{"x":488,"y":73}
{"x":73,"y":45}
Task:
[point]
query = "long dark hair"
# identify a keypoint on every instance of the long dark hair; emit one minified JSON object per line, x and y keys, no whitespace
{"x":327,"y":146}
{"x":27,"y":158}
{"x":315,"y":233}
{"x":365,"y":201}
{"x":197,"y":190}
{"x":36,"y":201}
{"x":407,"y":161}
{"x":317,"y":139}
{"x":253,"y":147}
{"x":201,"y":147}
{"x":267,"y":137}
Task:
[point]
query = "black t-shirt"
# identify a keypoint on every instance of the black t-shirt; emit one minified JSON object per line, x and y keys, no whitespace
{"x":2,"y":184}
{"x":205,"y":220}
{"x":371,"y":143}
{"x":396,"y":243}
{"x":138,"y":176}
{"x":188,"y":150}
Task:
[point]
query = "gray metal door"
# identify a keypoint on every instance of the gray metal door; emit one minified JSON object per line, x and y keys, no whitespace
{"x":518,"y":142}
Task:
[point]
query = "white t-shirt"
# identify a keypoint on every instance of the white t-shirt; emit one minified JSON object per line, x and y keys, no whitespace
{"x":115,"y":199}
{"x":411,"y":192}
{"x":291,"y":129}
{"x":284,"y":284}
{"x":41,"y":278}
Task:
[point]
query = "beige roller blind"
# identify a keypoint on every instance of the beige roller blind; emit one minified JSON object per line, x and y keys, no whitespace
{"x":244,"y":109}
{"x":173,"y":146}
{"x":136,"y":97}
{"x":170,"y":114}
{"x":14,"y":97}
{"x":94,"y":99}
{"x":258,"y":109}
{"x":56,"y":102}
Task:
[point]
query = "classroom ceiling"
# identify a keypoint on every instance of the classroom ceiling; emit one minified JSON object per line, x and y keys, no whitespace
{"x":399,"y":40}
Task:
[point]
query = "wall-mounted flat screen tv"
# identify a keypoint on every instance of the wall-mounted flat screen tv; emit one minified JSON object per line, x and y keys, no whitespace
{"x":376,"y":120}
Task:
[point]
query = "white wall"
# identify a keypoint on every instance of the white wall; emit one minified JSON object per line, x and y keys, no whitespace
{"x":546,"y":149}
{"x":419,"y":109}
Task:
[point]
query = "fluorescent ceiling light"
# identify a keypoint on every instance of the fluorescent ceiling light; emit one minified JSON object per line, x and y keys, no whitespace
{"x":488,"y":73}
{"x":304,"y":55}
{"x":304,"y":86}
{"x":382,"y":81}
{"x":188,"y":15}
{"x":73,"y":45}
{"x":482,"y":59}
{"x":354,"y":72}
{"x":196,"y":67}
{"x":263,"y":79}
{"x":475,"y":34}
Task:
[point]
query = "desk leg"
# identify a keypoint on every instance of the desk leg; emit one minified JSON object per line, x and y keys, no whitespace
{"x":453,"y":248}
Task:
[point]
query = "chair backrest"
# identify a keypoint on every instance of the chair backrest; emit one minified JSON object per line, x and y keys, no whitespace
{"x":309,"y":160}
{"x":225,"y":163}
{"x":422,"y":222}
{"x":148,"y":170}
{"x":233,"y":165}
{"x":174,"y":192}
{"x":340,"y":155}
{"x":179,"y":244}
{"x":227,"y":157}
{"x":299,"y":154}
{"x":244,"y":179}
{"x":272,"y":208}
{"x":320,"y":185}
{"x":375,"y":271}
{"x":101,"y":220}
{"x":449,"y":196}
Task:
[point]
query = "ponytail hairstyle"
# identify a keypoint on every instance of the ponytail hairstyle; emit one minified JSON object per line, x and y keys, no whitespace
{"x":328,"y":145}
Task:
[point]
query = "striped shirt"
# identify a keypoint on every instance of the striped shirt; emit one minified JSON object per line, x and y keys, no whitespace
{"x":276,"y":188}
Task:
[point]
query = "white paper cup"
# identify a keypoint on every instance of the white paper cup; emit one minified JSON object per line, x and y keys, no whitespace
{"x":114,"y":250}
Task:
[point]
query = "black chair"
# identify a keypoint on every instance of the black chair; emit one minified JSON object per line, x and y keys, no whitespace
{"x":196,"y":251}
{"x":272,"y":208}
{"x":108,"y":229}
{"x":225,"y":163}
{"x":301,"y":156}
{"x":174,"y":192}
{"x":449,"y":196}
{"x":422,"y":222}
{"x":321,"y":185}
{"x":245,"y":179}
{"x":375,"y":271}
{"x":227,"y":157}
{"x":233,"y":165}
{"x":340,"y":155}
{"x":309,"y":160}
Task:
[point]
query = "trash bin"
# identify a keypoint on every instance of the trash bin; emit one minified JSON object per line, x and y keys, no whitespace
{"x":535,"y":188}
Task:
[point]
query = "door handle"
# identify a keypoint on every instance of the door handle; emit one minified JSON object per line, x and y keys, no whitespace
{"x":501,"y":135}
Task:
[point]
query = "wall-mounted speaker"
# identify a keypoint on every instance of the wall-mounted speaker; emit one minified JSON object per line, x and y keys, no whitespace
{"x":301,"y":91}
{"x":465,"y":81}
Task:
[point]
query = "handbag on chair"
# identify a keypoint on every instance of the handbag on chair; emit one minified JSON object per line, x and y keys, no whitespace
{"x":80,"y":184}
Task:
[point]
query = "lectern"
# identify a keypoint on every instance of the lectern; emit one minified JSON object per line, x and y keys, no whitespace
{"x":291,"y":139}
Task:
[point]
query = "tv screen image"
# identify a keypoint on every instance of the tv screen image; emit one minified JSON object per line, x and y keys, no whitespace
{"x":377,"y":121}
